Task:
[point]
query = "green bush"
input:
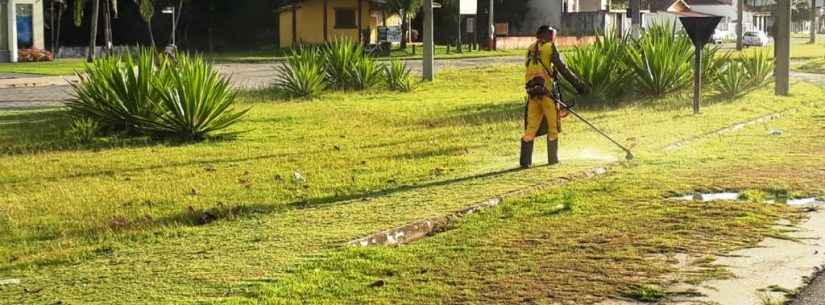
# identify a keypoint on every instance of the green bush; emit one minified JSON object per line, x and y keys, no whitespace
{"x":759,"y":67}
{"x":147,"y":94}
{"x":83,"y":130}
{"x":397,"y":76}
{"x":365,"y":74}
{"x":600,"y":65}
{"x":733,"y":80}
{"x":340,"y":60}
{"x":661,"y":60}
{"x":303,"y":75}
{"x":712,"y":63}
{"x":120,"y":92}
{"x":195,"y":102}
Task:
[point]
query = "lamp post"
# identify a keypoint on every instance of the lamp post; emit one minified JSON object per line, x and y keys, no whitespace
{"x":171,"y":10}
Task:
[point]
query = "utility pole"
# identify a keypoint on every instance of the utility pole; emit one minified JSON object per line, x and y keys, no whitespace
{"x":782,"y":46}
{"x":428,"y":41}
{"x":814,"y":22}
{"x":492,"y":26}
{"x":635,"y":18}
{"x":740,"y":8}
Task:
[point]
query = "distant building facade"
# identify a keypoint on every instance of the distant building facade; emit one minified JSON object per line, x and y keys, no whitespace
{"x":319,"y":21}
{"x":21,"y":27}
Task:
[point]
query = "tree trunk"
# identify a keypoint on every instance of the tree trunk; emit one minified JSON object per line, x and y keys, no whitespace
{"x":814,"y":22}
{"x":403,"y":30}
{"x":57,"y":31}
{"x":151,"y":33}
{"x":90,"y":57}
{"x":740,"y":7}
{"x":107,"y":20}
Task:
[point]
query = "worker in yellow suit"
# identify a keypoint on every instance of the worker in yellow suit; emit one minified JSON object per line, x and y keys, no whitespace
{"x":542,"y":114}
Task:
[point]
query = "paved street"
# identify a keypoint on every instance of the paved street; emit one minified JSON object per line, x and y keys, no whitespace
{"x":814,"y":294}
{"x":251,"y":76}
{"x":244,"y":76}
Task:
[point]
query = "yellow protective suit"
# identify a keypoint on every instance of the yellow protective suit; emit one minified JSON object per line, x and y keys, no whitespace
{"x":541,"y":110}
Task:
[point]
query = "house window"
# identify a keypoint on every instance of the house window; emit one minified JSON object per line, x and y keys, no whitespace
{"x":345,"y":18}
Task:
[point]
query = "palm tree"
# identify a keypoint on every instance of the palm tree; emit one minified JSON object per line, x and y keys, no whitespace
{"x":79,"y":12}
{"x":407,"y":10}
{"x":147,"y":11}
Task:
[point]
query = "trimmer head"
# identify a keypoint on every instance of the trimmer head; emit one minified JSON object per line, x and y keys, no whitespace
{"x":629,"y":156}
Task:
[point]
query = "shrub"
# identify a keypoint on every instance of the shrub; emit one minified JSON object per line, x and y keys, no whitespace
{"x":302,"y":75}
{"x":195,"y":102}
{"x":340,"y":59}
{"x":733,"y":80}
{"x":397,"y":76}
{"x":660,"y":61}
{"x":83,"y":130}
{"x":600,"y":65}
{"x":34,"y":55}
{"x":365,"y":74}
{"x":120,"y":92}
{"x":146,"y":94}
{"x":712,"y":63}
{"x":759,"y":67}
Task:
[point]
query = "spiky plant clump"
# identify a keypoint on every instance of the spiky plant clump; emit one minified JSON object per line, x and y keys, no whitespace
{"x":340,"y":60}
{"x":733,"y":80}
{"x":600,"y":65}
{"x":397,"y":76}
{"x":120,"y":92}
{"x":759,"y":67}
{"x":303,"y":75}
{"x":366,"y":73}
{"x":660,"y":61}
{"x":196,"y":101}
{"x":147,"y":94}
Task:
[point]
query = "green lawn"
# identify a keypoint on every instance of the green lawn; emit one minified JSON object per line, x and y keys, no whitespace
{"x":262,"y":218}
{"x":812,"y":66}
{"x":57,"y":67}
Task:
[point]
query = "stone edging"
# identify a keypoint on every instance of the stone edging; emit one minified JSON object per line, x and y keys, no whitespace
{"x":422,"y":228}
{"x":734,"y":127}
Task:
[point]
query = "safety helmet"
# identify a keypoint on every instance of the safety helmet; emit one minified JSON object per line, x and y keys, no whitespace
{"x":544,"y":29}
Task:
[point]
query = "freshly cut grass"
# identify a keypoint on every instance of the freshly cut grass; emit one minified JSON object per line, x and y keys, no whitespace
{"x":813,"y":66}
{"x":239,"y":221}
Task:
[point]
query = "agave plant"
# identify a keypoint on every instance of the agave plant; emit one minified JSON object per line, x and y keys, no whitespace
{"x":120,"y":92}
{"x":733,"y":80}
{"x":660,"y":60}
{"x":365,"y":74}
{"x":600,"y":65}
{"x":712,"y":62}
{"x":759,"y":67}
{"x":340,"y":59}
{"x":397,"y":76}
{"x":196,"y":102}
{"x":302,"y":75}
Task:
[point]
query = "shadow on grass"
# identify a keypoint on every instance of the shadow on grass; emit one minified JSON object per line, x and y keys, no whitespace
{"x":43,"y":131}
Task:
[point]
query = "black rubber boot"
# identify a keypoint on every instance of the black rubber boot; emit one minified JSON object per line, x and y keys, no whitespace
{"x":553,"y":152}
{"x":526,"y":159}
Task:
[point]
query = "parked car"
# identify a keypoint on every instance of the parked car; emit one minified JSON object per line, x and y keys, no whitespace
{"x":754,"y":38}
{"x":718,"y":37}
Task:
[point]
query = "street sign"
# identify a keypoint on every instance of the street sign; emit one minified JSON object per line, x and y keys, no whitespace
{"x":700,"y":28}
{"x":468,"y":7}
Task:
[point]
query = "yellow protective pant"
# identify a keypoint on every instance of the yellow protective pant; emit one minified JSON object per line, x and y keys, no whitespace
{"x":538,"y":108}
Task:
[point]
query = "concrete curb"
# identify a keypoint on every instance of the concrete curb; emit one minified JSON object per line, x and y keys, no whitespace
{"x":30,"y":82}
{"x":766,"y":118}
{"x":422,"y":228}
